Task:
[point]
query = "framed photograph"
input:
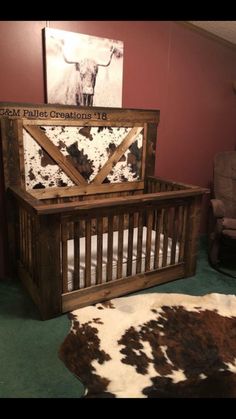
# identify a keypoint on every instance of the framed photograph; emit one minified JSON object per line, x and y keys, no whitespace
{"x":83,"y":70}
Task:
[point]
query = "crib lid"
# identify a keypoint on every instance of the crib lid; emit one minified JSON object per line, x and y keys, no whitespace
{"x":53,"y":147}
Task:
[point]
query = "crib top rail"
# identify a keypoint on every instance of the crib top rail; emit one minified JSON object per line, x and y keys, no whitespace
{"x":34,"y":205}
{"x":60,"y":151}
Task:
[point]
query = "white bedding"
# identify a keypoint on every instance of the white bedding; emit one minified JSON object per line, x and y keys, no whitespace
{"x":115,"y":255}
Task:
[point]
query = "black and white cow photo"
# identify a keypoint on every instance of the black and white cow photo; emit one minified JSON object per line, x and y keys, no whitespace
{"x":83,"y":70}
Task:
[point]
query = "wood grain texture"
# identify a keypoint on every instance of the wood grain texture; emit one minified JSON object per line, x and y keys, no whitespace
{"x":192,"y":235}
{"x":50,"y":287}
{"x":161,"y":197}
{"x":85,"y":190}
{"x":151,"y":149}
{"x":82,"y":115}
{"x":10,"y":152}
{"x":98,"y":293}
{"x":116,"y":156}
{"x":65,"y":163}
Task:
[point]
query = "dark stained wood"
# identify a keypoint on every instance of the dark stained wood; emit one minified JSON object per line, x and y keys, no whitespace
{"x":25,"y":200}
{"x":76,"y":256}
{"x":166,"y":236}
{"x":110,"y":248}
{"x":192,"y":236}
{"x":85,"y":190}
{"x":144,"y":150}
{"x":139,"y":243}
{"x":19,"y":135}
{"x":10,"y":152}
{"x":64,"y":258}
{"x":82,"y":115}
{"x":148,"y":240}
{"x":29,"y":284}
{"x":116,"y":156}
{"x":159,"y":226}
{"x":99,"y":250}
{"x":173,"y":183}
{"x":175,"y":234}
{"x":26,"y":240}
{"x":120,"y":287}
{"x":130,"y":244}
{"x":88,"y":252}
{"x":13,"y":235}
{"x":65,"y":163}
{"x":151,"y":149}
{"x":120,"y":245}
{"x":182,"y":231}
{"x":50,"y":284}
{"x":47,"y":223}
{"x":119,"y":201}
{"x":34,"y":235}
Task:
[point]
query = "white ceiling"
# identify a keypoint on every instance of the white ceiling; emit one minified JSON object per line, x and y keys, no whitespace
{"x":225,"y":29}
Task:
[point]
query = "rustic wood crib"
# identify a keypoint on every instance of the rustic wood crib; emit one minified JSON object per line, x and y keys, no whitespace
{"x":87,"y":219}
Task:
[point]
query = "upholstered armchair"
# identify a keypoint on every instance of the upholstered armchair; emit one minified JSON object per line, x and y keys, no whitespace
{"x":222,"y":219}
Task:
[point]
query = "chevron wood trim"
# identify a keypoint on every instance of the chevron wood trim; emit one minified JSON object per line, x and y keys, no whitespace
{"x":118,"y":153}
{"x":55,"y":154}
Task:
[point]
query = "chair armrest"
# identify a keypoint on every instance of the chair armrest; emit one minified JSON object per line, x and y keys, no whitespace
{"x":218,"y":208}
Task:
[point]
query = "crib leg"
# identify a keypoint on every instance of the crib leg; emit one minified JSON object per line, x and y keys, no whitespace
{"x":12,"y":233}
{"x":49,"y":266}
{"x":192,"y":233}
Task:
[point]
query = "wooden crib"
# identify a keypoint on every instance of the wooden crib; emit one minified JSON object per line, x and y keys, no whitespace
{"x":87,"y":219}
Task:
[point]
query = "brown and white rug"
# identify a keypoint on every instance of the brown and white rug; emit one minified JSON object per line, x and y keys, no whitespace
{"x":155,"y":345}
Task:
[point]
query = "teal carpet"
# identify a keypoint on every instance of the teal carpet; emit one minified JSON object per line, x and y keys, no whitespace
{"x":30,"y":367}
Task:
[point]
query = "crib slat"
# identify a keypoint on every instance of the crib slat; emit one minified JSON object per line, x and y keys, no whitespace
{"x":33,"y":249}
{"x":99,"y":250}
{"x":183,"y":233}
{"x":139,"y":243}
{"x":166,"y":236}
{"x":130,"y":244}
{"x":64,"y":259}
{"x":76,"y":284}
{"x":120,"y":245}
{"x":148,"y":240}
{"x":21,"y":234}
{"x":110,"y":248}
{"x":159,"y":222}
{"x":174,"y":235}
{"x":30,"y":242}
{"x":88,"y":253}
{"x":25,"y":236}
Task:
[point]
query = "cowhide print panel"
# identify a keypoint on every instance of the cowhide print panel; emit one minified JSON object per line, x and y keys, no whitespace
{"x":89,"y":149}
{"x":155,"y":345}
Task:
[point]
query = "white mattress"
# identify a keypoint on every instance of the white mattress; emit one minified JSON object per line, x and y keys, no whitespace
{"x":115,"y":255}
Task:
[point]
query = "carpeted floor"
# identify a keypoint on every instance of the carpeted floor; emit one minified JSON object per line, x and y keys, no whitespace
{"x":30,"y":367}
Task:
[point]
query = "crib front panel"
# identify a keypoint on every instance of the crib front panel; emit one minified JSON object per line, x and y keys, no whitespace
{"x":122,"y":242}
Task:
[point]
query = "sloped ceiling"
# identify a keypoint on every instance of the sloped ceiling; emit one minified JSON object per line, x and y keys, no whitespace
{"x":224,"y":29}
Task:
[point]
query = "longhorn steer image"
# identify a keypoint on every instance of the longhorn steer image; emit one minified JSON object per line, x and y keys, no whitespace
{"x":88,"y":69}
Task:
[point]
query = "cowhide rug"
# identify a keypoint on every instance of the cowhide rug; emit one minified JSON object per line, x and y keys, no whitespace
{"x":155,"y":345}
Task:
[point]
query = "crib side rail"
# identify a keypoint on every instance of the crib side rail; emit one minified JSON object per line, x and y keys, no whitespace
{"x":174,"y":224}
{"x":37,"y":251}
{"x":97,"y":204}
{"x":175,"y":220}
{"x":158,"y":184}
